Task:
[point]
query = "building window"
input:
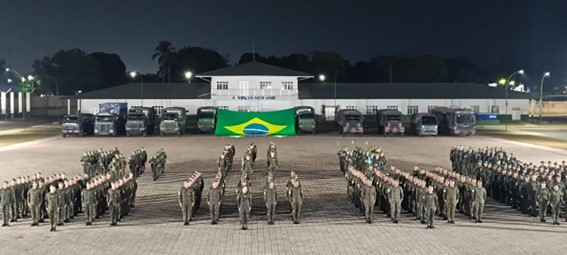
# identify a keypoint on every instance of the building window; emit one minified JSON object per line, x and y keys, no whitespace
{"x":495,"y":109}
{"x":158,"y":109}
{"x":287,"y":85}
{"x":475,"y":108}
{"x":243,"y":108}
{"x":265,"y":85}
{"x":243,"y":86}
{"x":222,"y":85}
{"x":350,"y":107}
{"x":412,"y":109}
{"x":371,"y":109}
{"x":431,"y":107}
{"x":392,"y":107}
{"x":224,"y":107}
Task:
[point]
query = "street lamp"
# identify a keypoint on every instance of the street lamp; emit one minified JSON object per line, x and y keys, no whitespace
{"x":546,"y":74}
{"x":521,"y":71}
{"x":9,"y":80}
{"x":322,"y":77}
{"x":133,"y":74}
{"x":188,"y":76}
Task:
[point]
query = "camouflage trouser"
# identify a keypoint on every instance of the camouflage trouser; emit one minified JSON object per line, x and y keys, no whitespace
{"x":369,"y":207}
{"x":451,"y":207}
{"x":295,"y":210}
{"x":478,"y":209}
{"x":61,"y":213}
{"x":90,"y":212}
{"x":14,"y":211}
{"x":114,"y":213}
{"x":35,"y":213}
{"x":53,"y":217}
{"x":214,"y":207}
{"x":543,"y":209}
{"x":244,"y":215}
{"x":395,"y":208}
{"x":271,"y":208}
{"x":555,"y":210}
{"x":5,"y":214}
{"x":187,"y":210}
{"x":430,"y":214}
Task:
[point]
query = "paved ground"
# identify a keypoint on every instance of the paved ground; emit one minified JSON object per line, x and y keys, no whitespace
{"x":330,"y":223}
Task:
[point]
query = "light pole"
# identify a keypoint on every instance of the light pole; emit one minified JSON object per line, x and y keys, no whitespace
{"x":336,"y":72}
{"x":133,"y":75}
{"x":521,"y":71}
{"x":56,"y":83}
{"x":188,"y":76}
{"x":546,"y":74}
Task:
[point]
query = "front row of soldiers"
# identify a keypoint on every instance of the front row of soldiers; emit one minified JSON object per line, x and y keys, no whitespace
{"x":157,"y":163}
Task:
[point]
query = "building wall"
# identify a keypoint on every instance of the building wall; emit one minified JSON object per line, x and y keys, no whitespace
{"x":229,"y":87}
{"x":549,"y":107}
{"x":516,"y":107}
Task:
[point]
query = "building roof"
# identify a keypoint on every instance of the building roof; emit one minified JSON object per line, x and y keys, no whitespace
{"x":406,"y":91}
{"x":5,"y":86}
{"x":151,"y":91}
{"x":256,"y":69}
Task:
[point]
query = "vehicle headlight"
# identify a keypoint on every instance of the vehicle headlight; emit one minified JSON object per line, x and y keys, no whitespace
{"x":111,"y":130}
{"x":422,"y":127}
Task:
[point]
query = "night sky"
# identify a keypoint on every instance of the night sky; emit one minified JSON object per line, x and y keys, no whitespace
{"x":533,"y":31}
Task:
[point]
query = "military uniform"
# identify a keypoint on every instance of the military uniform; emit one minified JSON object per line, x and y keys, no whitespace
{"x":214,"y":200}
{"x":395,"y":196}
{"x":271,"y":200}
{"x":556,"y":200}
{"x":479,"y":198}
{"x":53,"y":209}
{"x":431,"y":204}
{"x":451,"y":197}
{"x":186,"y":201}
{"x":34,"y":199}
{"x":244,"y":202}
{"x":369,"y":198}
{"x":6,"y":200}
{"x":543,"y":201}
{"x":296,"y":197}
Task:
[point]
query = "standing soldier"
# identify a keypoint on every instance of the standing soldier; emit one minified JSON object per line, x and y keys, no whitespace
{"x":271,"y":199}
{"x":186,"y":201}
{"x":369,"y":196}
{"x":244,"y":202}
{"x":479,"y":198}
{"x":247,"y":165}
{"x":296,"y":198}
{"x":61,"y":202}
{"x":556,"y":199}
{"x":113,"y":201}
{"x":6,"y":199}
{"x":451,"y":197}
{"x":34,"y":200}
{"x":431,"y":203}
{"x":395,"y":196}
{"x":52,"y":200}
{"x":272,"y":162}
{"x":543,"y":201}
{"x":214,"y":200}
{"x":87,"y":196}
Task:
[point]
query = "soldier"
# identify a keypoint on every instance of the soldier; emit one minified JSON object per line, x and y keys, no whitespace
{"x":451,"y":197}
{"x":186,"y":201}
{"x":62,"y":203}
{"x":272,"y":162}
{"x":369,"y":197}
{"x":214,"y":201}
{"x":113,"y":200}
{"x":154,"y":165}
{"x":247,"y":165}
{"x":52,"y":200}
{"x":6,"y":200}
{"x":430,"y":202}
{"x":395,"y":196}
{"x":222,"y":162}
{"x":271,"y":200}
{"x":479,"y":198}
{"x":296,"y":198}
{"x":34,"y":200}
{"x":244,"y":202}
{"x":87,"y":196}
{"x":556,"y":200}
{"x":543,"y":201}
{"x":253,"y":152}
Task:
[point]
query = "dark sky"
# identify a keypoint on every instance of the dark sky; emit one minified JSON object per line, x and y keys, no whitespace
{"x":533,"y":31}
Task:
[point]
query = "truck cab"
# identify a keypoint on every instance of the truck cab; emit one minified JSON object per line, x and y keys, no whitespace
{"x":106,"y":123}
{"x":140,"y":121}
{"x":389,"y":122}
{"x":80,"y":125}
{"x":305,"y":119}
{"x":350,"y":122}
{"x":455,"y":121}
{"x":173,"y":121}
{"x":206,"y":118}
{"x":424,"y":124}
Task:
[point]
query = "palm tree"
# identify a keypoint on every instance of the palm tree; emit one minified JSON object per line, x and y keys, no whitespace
{"x":165,"y":56}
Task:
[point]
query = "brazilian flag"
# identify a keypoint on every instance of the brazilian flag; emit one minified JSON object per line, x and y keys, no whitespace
{"x":255,"y":123}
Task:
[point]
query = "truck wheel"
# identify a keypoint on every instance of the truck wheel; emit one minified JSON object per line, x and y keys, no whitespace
{"x":145,"y":134}
{"x":160,"y":133}
{"x":178,"y":133}
{"x":128,"y":134}
{"x":64,"y":135}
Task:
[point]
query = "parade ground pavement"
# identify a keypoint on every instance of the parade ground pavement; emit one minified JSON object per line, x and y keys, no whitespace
{"x":330,"y":224}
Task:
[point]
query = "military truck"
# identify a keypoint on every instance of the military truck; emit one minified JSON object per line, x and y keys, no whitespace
{"x":455,"y":121}
{"x":305,"y":120}
{"x":389,"y":122}
{"x":173,"y":121}
{"x":81,"y":125}
{"x":423,"y":124}
{"x":111,"y":119}
{"x":350,"y":122}
{"x":141,"y":121}
{"x":206,"y":118}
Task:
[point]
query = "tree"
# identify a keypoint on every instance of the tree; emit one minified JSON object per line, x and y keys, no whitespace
{"x":112,"y":69}
{"x":249,"y":57}
{"x":196,"y":60}
{"x":329,"y":64}
{"x":2,"y":66}
{"x":164,"y":53}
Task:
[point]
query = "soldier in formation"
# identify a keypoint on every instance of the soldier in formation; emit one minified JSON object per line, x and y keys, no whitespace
{"x":157,"y":163}
{"x":270,"y":198}
{"x":137,"y":162}
{"x":244,"y":203}
{"x":508,"y":180}
{"x":295,"y":194}
{"x":272,"y":157}
{"x":190,"y":196}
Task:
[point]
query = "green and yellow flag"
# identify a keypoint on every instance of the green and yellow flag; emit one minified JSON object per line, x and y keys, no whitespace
{"x":255,"y":123}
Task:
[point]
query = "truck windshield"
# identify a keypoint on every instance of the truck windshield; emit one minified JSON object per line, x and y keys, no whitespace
{"x":464,"y":118}
{"x":104,"y":119}
{"x":169,"y":116}
{"x":307,"y":115}
{"x":393,"y":118}
{"x":135,"y":117}
{"x":71,"y":119}
{"x":352,"y":117}
{"x":428,"y":120}
{"x":206,"y":115}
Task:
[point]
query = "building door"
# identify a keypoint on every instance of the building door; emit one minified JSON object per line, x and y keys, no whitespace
{"x":243,"y":87}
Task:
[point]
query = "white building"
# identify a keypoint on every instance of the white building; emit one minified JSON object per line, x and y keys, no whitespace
{"x":259,"y":87}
